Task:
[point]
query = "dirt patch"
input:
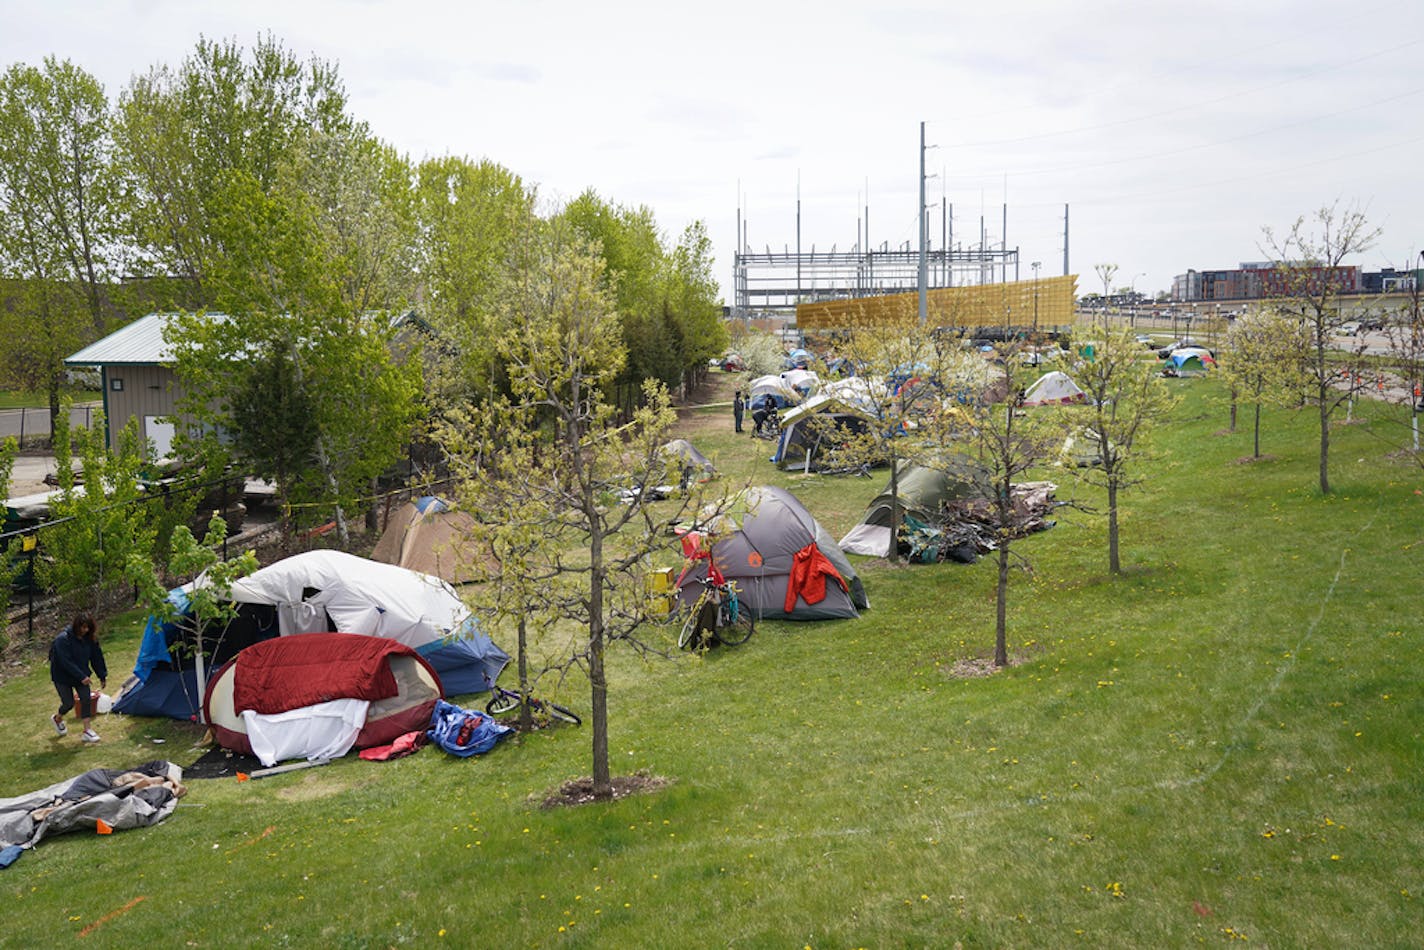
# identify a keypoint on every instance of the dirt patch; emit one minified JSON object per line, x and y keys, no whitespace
{"x":971,"y":667}
{"x":1254,"y":459}
{"x":708,"y":408}
{"x":579,"y":791}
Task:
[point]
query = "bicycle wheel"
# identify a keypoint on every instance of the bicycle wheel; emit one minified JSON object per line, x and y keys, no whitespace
{"x":733,"y":632}
{"x":556,"y":711}
{"x":503,"y":701}
{"x":688,"y":635}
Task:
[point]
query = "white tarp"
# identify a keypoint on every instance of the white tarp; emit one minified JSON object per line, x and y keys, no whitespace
{"x":323,"y":731}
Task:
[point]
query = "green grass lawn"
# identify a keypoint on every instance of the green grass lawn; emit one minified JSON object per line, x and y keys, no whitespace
{"x":1224,"y":743}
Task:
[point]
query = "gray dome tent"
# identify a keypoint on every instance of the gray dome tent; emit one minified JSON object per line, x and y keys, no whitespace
{"x":755,"y":541}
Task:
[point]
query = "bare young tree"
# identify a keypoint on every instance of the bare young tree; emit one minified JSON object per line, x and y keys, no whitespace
{"x":1010,"y":441}
{"x":1126,"y":399}
{"x":1306,"y":284}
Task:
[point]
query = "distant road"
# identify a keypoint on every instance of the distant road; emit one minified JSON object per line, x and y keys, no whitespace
{"x":33,"y":423}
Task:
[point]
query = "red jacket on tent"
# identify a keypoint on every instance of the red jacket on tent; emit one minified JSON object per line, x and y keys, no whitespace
{"x":809,"y":570}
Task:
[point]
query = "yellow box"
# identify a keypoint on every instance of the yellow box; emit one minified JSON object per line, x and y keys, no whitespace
{"x":659,"y":582}
{"x":661,"y":605}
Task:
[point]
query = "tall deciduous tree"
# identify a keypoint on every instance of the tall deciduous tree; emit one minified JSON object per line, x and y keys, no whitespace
{"x":1308,"y":278}
{"x":57,"y":216}
{"x":188,"y":136}
{"x":469,"y":215}
{"x":900,"y":374}
{"x":1126,"y":399}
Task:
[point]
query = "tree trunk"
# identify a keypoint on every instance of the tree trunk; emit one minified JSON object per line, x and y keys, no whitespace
{"x":526,"y":718}
{"x":894,"y":510}
{"x":1114,"y":563}
{"x":1256,"y":434}
{"x":602,"y":779}
{"x":1233,"y":409}
{"x":1001,"y":624}
{"x":1324,"y":444}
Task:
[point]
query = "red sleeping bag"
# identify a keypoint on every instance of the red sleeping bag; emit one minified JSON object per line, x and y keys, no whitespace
{"x":309,"y":668}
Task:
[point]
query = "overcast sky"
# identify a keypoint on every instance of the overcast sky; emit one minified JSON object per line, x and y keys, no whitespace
{"x":1173,"y":130}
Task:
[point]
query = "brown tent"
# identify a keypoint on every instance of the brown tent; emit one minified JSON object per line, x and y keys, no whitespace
{"x":429,"y":536}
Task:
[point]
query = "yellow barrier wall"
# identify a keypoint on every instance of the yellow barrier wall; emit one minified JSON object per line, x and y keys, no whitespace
{"x":984,"y":305}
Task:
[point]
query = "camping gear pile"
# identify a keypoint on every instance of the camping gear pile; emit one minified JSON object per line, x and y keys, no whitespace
{"x":946,"y":513}
{"x":968,"y":528}
{"x":102,"y":800}
{"x":462,"y":732}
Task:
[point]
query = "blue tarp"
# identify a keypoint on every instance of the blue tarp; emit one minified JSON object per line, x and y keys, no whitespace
{"x":480,"y":731}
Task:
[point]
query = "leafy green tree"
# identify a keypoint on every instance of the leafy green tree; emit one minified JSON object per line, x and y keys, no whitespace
{"x":187,"y":137}
{"x":209,"y":604}
{"x":665,"y":299}
{"x":1261,"y":362}
{"x":902,"y":367}
{"x":58,"y":216}
{"x":100,"y":523}
{"x":1308,"y":276}
{"x":468,"y":215}
{"x":303,"y":243}
{"x":1126,"y":399}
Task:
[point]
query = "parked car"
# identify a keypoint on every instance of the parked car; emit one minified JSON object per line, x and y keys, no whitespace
{"x":1176,"y":345}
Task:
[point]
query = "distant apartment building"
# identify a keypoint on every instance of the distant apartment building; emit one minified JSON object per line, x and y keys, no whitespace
{"x":1254,"y":280}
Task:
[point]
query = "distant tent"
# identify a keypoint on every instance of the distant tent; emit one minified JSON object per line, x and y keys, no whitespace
{"x":922,"y":494}
{"x":315,"y":592}
{"x":1054,"y":388}
{"x":798,"y":359}
{"x":808,"y":431}
{"x":756,"y":543}
{"x":1191,"y":361}
{"x":774,"y":387}
{"x":693,"y":462}
{"x":430,"y":536}
{"x":803,"y":381}
{"x":1082,"y":449}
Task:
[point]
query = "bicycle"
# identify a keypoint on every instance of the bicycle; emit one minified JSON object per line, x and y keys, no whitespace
{"x":503,"y":701}
{"x":717,"y":614}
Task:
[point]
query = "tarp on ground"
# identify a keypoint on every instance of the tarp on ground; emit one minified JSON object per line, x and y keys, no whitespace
{"x":431,"y":536}
{"x":120,"y":798}
{"x":755,"y":541}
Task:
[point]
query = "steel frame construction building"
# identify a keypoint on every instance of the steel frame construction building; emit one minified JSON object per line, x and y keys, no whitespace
{"x":772,"y":284}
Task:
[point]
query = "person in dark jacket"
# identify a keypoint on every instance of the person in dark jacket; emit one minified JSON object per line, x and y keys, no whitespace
{"x":72,"y":657}
{"x":738,"y":407}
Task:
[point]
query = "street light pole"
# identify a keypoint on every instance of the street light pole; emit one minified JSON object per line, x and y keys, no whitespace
{"x":1035,"y":265}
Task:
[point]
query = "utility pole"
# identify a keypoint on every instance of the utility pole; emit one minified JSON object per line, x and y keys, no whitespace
{"x":924,"y":237}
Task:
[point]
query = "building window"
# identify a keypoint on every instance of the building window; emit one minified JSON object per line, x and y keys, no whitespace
{"x":116,"y":384}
